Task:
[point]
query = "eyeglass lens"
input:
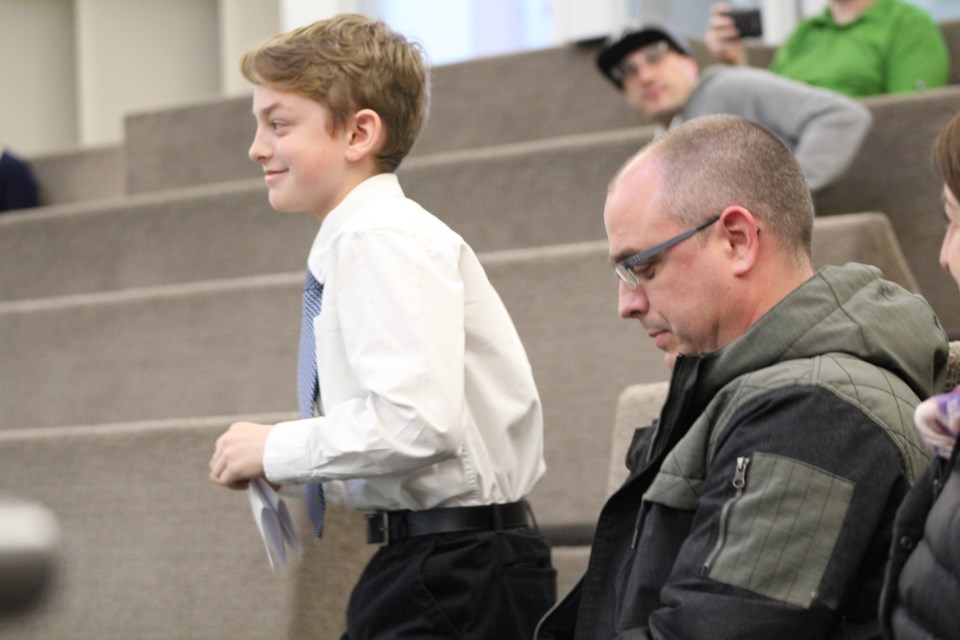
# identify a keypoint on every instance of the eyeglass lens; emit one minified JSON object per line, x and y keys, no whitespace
{"x":649,"y":56}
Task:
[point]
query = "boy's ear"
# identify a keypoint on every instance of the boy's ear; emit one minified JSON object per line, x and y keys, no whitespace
{"x":366,"y":134}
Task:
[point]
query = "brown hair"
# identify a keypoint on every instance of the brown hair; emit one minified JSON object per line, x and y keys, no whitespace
{"x":350,"y":62}
{"x":946,"y":154}
{"x":713,"y":162}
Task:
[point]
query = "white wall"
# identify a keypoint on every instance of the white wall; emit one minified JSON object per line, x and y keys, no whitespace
{"x":136,"y":55}
{"x":583,"y":20}
{"x":296,"y":13}
{"x":71,"y":70}
{"x":37,"y":75}
{"x":243,"y":24}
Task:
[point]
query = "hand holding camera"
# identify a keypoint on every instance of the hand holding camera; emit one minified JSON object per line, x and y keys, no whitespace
{"x":725,"y":31}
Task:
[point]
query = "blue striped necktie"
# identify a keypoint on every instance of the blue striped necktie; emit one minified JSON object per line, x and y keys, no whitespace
{"x":308,"y":386}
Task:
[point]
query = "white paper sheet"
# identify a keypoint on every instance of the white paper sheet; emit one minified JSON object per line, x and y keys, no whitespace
{"x":276,"y":527}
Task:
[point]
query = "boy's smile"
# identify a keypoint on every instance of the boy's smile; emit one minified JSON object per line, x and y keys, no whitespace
{"x":271,"y":177}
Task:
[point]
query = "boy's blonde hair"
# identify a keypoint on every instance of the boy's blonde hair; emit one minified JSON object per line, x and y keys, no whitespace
{"x":350,"y":62}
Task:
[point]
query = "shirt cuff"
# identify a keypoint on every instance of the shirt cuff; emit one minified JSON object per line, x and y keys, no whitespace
{"x":286,"y":453}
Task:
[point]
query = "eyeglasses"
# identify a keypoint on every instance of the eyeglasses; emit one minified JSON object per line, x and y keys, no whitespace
{"x":648,"y":56}
{"x":624,"y":268}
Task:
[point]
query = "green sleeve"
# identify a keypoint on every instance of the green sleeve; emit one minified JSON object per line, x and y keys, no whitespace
{"x":918,"y":57}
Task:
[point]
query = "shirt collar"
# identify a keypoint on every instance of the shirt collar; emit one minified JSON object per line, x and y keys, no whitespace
{"x":825,"y":19}
{"x":382,"y":185}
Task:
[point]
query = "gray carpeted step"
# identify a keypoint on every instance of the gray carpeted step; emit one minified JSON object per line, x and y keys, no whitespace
{"x":151,"y":549}
{"x":228,"y":347}
{"x":514,"y":196}
{"x":478,"y":103}
{"x":79,"y":175}
{"x":893,"y":173}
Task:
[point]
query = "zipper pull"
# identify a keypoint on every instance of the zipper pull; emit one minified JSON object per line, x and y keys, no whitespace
{"x":740,"y":476}
{"x":739,"y":482}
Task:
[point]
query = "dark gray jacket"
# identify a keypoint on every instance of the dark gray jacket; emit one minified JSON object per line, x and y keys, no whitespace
{"x":761,"y":503}
{"x":921,"y":593}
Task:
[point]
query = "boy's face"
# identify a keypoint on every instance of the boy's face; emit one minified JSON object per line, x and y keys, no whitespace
{"x":303,"y":159}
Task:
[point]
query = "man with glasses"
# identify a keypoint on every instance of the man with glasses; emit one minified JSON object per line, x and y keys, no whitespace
{"x":759,"y":505}
{"x":656,"y":71}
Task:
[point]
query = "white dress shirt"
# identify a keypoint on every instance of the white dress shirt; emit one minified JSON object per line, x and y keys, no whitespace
{"x":426,"y":393}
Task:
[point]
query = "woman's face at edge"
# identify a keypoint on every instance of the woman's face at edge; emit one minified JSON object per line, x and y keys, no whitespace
{"x":950,"y":249}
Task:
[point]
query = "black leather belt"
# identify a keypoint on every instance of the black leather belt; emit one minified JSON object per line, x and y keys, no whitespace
{"x":384,"y":527}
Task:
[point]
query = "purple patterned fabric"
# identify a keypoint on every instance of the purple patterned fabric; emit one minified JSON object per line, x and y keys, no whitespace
{"x":938,"y":421}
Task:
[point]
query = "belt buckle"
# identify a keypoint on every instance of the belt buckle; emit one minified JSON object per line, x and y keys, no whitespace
{"x":378,"y":528}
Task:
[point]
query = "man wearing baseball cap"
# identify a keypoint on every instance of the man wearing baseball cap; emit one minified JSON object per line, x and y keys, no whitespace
{"x":655,"y":69}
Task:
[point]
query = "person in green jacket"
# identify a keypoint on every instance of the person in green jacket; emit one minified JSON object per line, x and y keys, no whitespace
{"x":856,"y":47}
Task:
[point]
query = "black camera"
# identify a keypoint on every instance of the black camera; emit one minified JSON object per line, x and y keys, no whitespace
{"x":748,"y":22}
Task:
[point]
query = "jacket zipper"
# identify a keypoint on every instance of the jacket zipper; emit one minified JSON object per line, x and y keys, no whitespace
{"x":739,"y":482}
{"x":636,"y":527}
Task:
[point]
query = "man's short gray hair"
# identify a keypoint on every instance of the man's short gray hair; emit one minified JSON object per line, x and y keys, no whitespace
{"x":713,"y":162}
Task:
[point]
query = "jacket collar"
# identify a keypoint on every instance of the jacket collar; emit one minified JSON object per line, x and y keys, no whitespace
{"x":848,"y":309}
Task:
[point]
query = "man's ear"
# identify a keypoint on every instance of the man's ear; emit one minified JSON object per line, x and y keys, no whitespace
{"x":366,"y":135}
{"x":741,"y":238}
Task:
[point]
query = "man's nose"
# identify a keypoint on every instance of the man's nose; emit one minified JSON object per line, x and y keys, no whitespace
{"x":632,"y":302}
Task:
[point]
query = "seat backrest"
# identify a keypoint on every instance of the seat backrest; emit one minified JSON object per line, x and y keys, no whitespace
{"x":892,"y":173}
{"x":637,"y":407}
{"x":951,"y":35}
{"x":867,"y":238}
{"x":953,"y":367}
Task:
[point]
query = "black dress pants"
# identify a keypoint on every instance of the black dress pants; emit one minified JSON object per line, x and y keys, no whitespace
{"x":483,"y":585}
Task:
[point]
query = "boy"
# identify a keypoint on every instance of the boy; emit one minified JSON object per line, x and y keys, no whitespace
{"x":417,"y":399}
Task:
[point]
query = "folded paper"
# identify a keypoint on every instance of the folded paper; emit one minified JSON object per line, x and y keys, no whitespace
{"x":273,"y":520}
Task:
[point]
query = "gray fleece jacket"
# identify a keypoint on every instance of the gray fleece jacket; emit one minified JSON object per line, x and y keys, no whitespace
{"x":823,"y":128}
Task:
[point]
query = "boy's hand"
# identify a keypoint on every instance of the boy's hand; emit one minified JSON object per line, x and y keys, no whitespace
{"x":238,"y":455}
{"x":722,"y":37}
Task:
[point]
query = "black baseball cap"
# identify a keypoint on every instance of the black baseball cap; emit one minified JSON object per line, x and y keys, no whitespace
{"x":616,"y":50}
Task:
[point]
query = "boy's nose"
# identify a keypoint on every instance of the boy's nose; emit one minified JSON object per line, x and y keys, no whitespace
{"x":258,"y":150}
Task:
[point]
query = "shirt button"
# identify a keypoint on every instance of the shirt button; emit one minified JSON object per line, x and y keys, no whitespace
{"x":907,"y":543}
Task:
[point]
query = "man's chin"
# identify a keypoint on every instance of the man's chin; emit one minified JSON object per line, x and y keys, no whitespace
{"x":658,"y":113}
{"x":669,"y":359}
